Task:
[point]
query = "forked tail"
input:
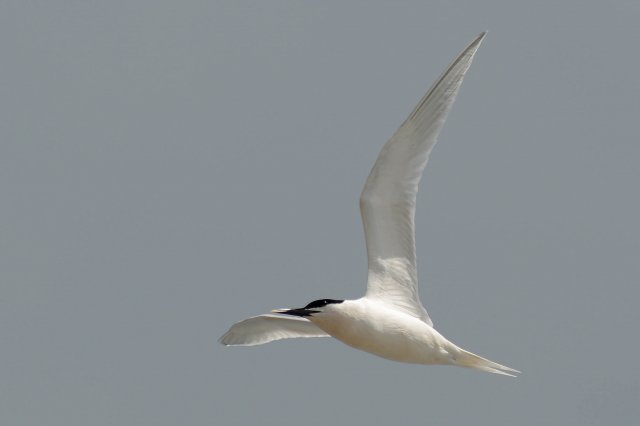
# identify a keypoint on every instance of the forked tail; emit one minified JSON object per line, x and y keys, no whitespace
{"x":470,"y":360}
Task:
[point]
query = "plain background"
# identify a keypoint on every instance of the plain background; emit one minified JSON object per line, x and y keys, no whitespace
{"x":170,"y":167}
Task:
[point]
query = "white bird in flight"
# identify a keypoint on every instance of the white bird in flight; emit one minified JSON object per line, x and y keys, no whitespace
{"x":389,"y":321}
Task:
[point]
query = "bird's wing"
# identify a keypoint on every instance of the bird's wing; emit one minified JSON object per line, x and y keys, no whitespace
{"x":267,"y":328}
{"x":388,"y":200}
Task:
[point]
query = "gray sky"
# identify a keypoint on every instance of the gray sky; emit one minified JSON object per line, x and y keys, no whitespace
{"x":168,"y":168}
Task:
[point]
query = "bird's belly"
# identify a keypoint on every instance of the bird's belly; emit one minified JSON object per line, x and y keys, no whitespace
{"x":404,"y":340}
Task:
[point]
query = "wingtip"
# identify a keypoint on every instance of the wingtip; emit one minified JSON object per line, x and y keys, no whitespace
{"x":479,"y":38}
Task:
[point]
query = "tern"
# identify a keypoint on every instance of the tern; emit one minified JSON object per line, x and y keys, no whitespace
{"x":389,"y":321}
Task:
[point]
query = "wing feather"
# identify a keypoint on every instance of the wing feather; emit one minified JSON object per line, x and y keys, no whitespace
{"x":267,"y":328}
{"x":388,"y":200}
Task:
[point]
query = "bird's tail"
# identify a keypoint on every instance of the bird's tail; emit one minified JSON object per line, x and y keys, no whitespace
{"x":470,"y":360}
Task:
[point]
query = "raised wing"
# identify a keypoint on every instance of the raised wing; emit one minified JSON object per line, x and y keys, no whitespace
{"x":267,"y":328}
{"x":388,"y":201}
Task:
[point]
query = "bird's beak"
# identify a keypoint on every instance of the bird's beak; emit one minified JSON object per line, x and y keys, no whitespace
{"x":301,"y":312}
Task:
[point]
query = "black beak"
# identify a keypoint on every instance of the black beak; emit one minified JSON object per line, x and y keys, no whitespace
{"x":301,"y":312}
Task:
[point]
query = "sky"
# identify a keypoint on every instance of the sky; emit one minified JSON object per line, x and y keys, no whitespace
{"x":168,"y":168}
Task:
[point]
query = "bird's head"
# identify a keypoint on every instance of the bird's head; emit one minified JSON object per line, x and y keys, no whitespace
{"x":315,"y":307}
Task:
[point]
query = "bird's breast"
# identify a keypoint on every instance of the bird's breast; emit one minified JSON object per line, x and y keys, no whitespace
{"x":388,"y":334}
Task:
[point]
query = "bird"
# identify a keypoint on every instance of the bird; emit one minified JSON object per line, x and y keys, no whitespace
{"x":390,"y":320}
